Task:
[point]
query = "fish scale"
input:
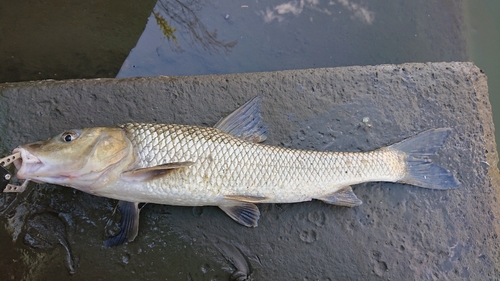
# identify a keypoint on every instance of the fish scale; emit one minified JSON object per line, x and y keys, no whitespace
{"x":225,"y":165}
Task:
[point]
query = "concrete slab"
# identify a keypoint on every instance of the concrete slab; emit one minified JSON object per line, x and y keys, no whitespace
{"x":400,"y":232}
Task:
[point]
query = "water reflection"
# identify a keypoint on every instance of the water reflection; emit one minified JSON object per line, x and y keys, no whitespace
{"x":167,"y":30}
{"x":184,"y":14}
{"x":358,"y":11}
{"x":191,"y":37}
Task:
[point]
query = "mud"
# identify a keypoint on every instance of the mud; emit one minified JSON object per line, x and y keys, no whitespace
{"x":400,"y":232}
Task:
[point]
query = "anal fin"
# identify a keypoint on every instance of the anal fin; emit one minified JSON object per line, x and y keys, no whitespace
{"x":129,"y":225}
{"x":344,"y":197}
{"x":245,"y":213}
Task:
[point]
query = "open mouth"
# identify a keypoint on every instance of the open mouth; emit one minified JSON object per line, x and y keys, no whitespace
{"x":27,"y":164}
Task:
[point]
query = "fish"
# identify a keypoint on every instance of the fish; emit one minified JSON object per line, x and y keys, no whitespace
{"x":226,"y":165}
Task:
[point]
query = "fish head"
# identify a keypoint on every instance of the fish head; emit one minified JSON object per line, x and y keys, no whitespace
{"x":76,"y":158}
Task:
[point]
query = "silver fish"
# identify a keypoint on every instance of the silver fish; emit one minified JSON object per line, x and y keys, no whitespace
{"x":224,"y":166}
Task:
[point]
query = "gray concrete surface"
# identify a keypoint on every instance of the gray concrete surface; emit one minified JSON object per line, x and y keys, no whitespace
{"x":400,"y":232}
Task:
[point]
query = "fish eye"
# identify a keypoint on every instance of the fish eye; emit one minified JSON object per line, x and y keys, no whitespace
{"x":69,"y":136}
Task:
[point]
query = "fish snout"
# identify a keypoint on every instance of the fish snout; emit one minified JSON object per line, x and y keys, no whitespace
{"x":27,"y":163}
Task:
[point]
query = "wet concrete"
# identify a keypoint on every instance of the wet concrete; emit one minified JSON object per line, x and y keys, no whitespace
{"x":400,"y":232}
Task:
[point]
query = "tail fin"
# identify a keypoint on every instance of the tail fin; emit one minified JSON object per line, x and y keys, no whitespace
{"x":421,"y":171}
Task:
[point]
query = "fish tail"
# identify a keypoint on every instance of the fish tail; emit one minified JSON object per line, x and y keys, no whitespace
{"x":420,"y":170}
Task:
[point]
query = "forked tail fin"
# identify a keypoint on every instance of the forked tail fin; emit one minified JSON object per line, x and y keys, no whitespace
{"x":420,"y":169}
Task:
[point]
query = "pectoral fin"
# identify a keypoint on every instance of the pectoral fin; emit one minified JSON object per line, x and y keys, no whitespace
{"x":149,"y":173}
{"x":344,"y":197}
{"x":245,"y":213}
{"x":129,"y":224}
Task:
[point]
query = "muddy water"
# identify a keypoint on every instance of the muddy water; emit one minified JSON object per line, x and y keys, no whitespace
{"x":483,"y":46}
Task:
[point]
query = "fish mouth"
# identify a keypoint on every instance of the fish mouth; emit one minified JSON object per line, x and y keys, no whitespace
{"x":27,"y":165}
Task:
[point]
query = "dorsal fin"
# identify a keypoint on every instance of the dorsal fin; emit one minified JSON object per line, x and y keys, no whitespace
{"x":245,"y":122}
